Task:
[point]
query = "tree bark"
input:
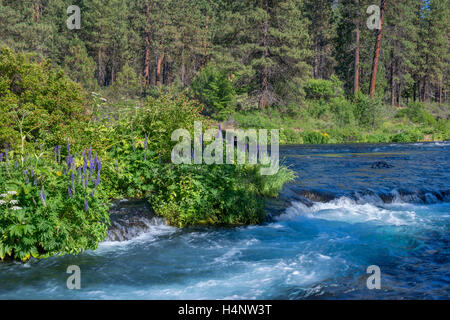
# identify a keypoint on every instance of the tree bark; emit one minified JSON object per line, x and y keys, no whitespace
{"x":37,"y":9}
{"x":183,"y":67}
{"x":158,"y":70}
{"x":205,"y":42}
{"x":147,"y":46}
{"x":357,"y":50}
{"x":376,"y":56}
{"x":264,"y":82}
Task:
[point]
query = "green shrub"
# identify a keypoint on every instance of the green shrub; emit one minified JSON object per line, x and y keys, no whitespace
{"x":314,"y":137}
{"x":213,"y":89}
{"x":41,"y":99}
{"x":44,"y":212}
{"x":320,"y":89}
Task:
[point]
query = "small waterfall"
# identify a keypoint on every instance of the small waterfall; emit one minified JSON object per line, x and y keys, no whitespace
{"x":131,"y":218}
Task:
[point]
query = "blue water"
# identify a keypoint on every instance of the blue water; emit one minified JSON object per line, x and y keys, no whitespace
{"x":339,"y":217}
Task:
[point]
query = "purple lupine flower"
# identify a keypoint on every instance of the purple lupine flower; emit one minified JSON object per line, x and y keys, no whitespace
{"x":159,"y":159}
{"x":86,"y":181}
{"x":17,"y":164}
{"x":68,"y":160}
{"x":72,"y":178}
{"x":64,"y":171}
{"x":42,"y":196}
{"x":145,"y":142}
{"x":86,"y":205}
{"x":26,"y":177}
{"x":92,"y":193}
{"x":70,"y":192}
{"x":95,"y":160}
{"x":32,"y":173}
{"x":59,"y":153}
{"x":1,"y":157}
{"x":35,"y":182}
{"x":79,"y":174}
{"x":99,"y":165}
{"x":98,"y":179}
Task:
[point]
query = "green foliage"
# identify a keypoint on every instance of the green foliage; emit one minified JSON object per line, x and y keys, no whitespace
{"x":313,"y":137}
{"x":320,"y":89}
{"x":417,"y":113}
{"x":38,"y":218}
{"x":48,"y":105}
{"x":213,"y":89}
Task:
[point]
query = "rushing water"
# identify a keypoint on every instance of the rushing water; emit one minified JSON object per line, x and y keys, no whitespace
{"x":339,"y":217}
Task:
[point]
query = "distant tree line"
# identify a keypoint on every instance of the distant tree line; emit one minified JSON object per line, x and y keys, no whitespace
{"x":267,"y":49}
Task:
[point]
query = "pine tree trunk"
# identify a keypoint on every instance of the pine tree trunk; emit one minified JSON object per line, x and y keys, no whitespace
{"x":205,"y":44}
{"x":183,"y":67}
{"x":264,"y":82}
{"x":357,"y":49}
{"x":392,"y":79}
{"x":37,"y":9}
{"x":158,"y":70}
{"x":147,"y":46}
{"x":376,"y":55}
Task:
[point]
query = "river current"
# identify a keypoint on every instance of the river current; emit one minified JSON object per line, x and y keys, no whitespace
{"x":339,"y":217}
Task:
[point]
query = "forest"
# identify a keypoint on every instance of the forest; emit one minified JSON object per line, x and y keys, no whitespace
{"x":307,"y":65}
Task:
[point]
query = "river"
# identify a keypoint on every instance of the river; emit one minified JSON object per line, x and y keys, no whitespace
{"x":339,"y":217}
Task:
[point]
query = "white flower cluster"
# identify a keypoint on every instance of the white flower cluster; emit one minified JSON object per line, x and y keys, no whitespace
{"x":2,"y":202}
{"x":12,"y":193}
{"x":16,"y":208}
{"x":14,"y":202}
{"x":3,"y":195}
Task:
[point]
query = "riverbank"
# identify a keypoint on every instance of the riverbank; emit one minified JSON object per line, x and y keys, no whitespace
{"x":337,"y":123}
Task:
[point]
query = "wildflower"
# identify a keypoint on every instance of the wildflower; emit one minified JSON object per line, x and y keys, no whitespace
{"x":32,"y":173}
{"x":145,"y":142}
{"x":3,"y":195}
{"x":35,"y":182}
{"x":70,"y":192}
{"x":59,"y":173}
{"x":6,"y":154}
{"x":2,"y":202}
{"x":16,"y":208}
{"x":99,"y":167}
{"x":14,"y":202}
{"x":1,"y":157}
{"x":98,"y":179}
{"x":12,"y":193}
{"x":159,"y":159}
{"x":86,"y":205}
{"x":42,"y":196}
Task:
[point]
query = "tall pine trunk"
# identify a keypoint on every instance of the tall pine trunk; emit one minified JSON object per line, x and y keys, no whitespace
{"x":264,"y":82}
{"x":376,"y":55}
{"x":147,"y":46}
{"x":357,"y":50}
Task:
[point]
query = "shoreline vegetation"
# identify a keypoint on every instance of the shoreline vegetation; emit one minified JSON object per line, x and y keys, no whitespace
{"x":66,"y":156}
{"x":87,"y":113}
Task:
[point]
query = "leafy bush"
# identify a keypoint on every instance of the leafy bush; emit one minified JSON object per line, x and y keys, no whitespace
{"x":50,"y":207}
{"x":41,"y":99}
{"x":417,"y":113}
{"x":314,"y":137}
{"x":213,"y":89}
{"x":320,"y":89}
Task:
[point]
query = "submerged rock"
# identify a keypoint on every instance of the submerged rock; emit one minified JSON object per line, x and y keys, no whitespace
{"x":131,"y":218}
{"x":381,"y":165}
